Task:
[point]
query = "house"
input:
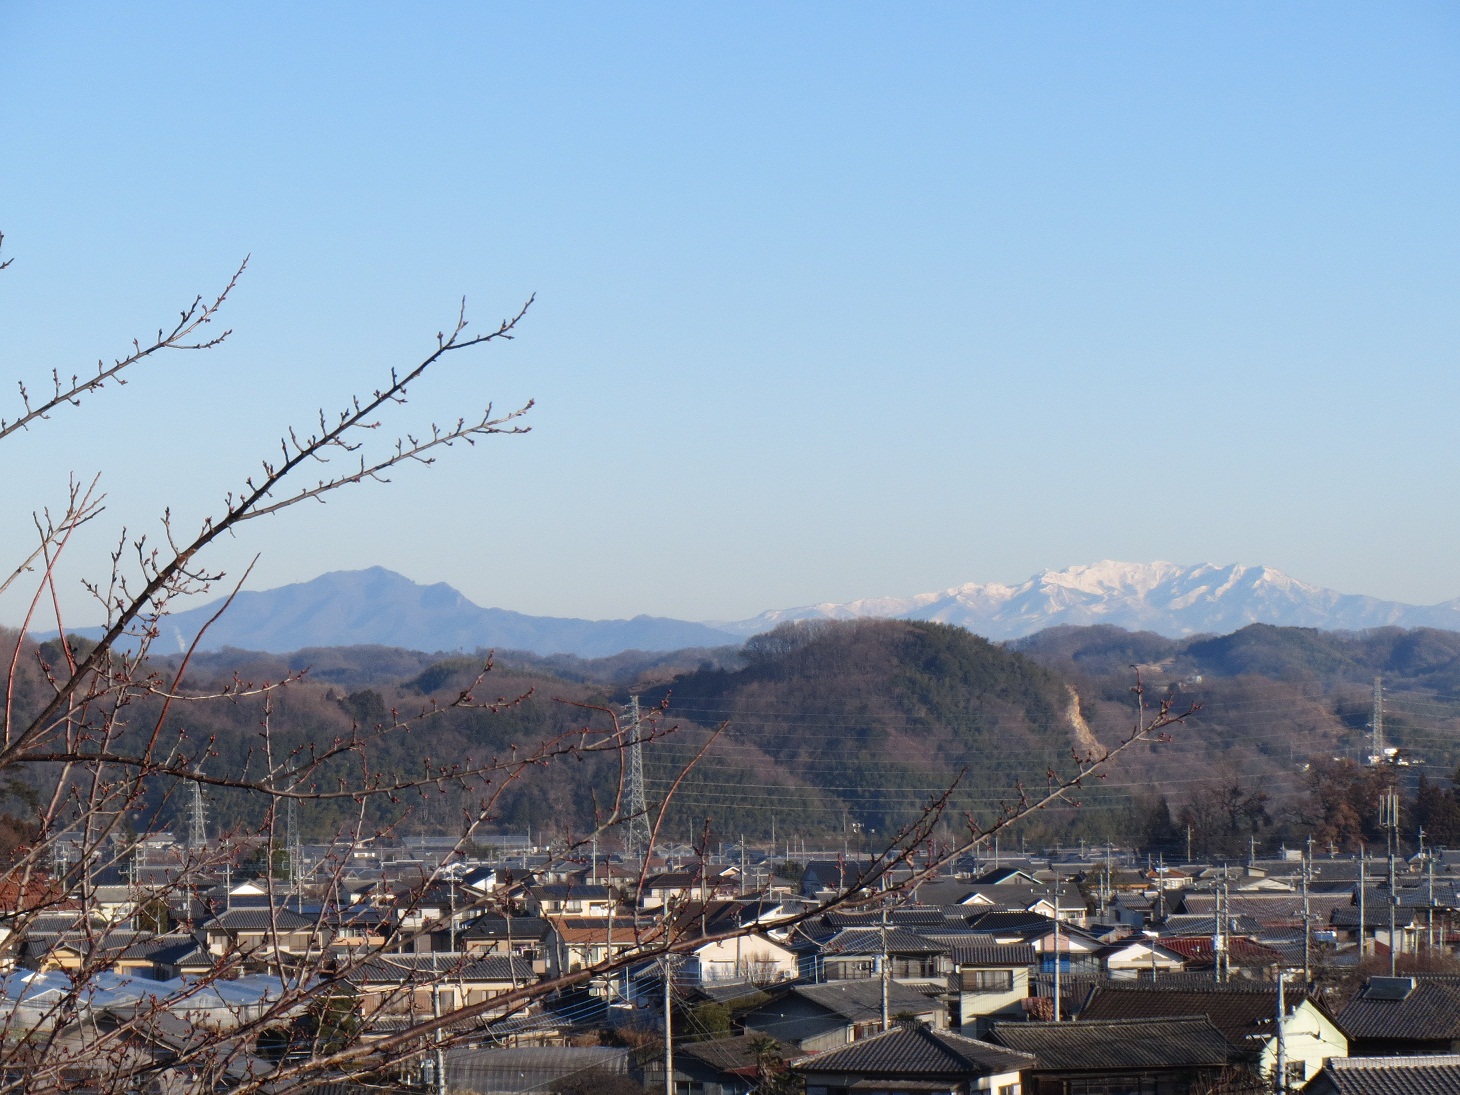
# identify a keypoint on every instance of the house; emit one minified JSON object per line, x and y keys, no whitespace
{"x":1065,"y":904}
{"x":822,"y":878}
{"x":119,"y":950}
{"x":681,"y":886}
{"x":1247,"y":954}
{"x":1133,"y":910}
{"x":1002,"y":876}
{"x":1430,"y":1075}
{"x":260,"y":932}
{"x":832,"y":954}
{"x":350,"y":928}
{"x":569,"y":899}
{"x":821,"y":1017}
{"x":724,"y":1066}
{"x":1161,"y":1056}
{"x":991,"y":981}
{"x":415,"y":984}
{"x":911,"y":1059}
{"x":1246,"y":1013}
{"x":1131,"y":957}
{"x":1395,"y":1016}
{"x":575,"y":943}
{"x":526,"y":937}
{"x":537,"y":1069}
{"x":1076,"y":951}
{"x":753,"y":958}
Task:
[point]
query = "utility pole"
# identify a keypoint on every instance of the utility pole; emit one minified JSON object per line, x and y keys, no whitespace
{"x":1307,"y":923}
{"x":882,"y":968}
{"x":742,"y":864}
{"x":1430,"y":904}
{"x":440,"y":1053}
{"x":668,"y":1030}
{"x":1056,"y":888}
{"x":1188,"y":842}
{"x":296,"y":849}
{"x":1280,"y":1074}
{"x":1389,"y":819}
{"x":1217,"y":935}
{"x":1363,"y":921}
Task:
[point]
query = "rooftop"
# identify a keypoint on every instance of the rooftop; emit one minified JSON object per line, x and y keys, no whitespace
{"x":910,"y":1050}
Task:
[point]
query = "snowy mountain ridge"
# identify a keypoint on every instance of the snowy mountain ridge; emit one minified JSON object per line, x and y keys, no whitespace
{"x":1159,"y":596}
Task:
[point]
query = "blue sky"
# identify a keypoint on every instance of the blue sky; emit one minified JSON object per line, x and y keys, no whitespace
{"x":833,"y":300}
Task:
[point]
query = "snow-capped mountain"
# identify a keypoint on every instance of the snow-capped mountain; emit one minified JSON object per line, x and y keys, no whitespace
{"x":1162,"y":597}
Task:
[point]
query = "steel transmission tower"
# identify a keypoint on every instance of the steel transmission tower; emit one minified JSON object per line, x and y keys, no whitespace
{"x":198,"y":821}
{"x":638,"y":836}
{"x":1376,"y":725}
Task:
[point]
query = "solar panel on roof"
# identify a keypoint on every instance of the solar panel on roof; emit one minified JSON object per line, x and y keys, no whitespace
{"x":1389,"y":988}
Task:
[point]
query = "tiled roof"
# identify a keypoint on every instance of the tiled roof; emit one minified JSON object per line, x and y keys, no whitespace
{"x":1245,"y":1013}
{"x":868,"y":940}
{"x":517,"y":928}
{"x":1010,"y":922}
{"x":1193,"y":924}
{"x":906,"y":915}
{"x":1437,"y":1075}
{"x":739,"y":1054}
{"x":1240,"y":952}
{"x":442,"y":966}
{"x":911,"y":1050}
{"x":1085,"y":1045}
{"x":1376,"y":915}
{"x":260,"y":920}
{"x":992,"y":954}
{"x":861,"y":1000}
{"x":1428,"y":1012}
{"x":596,"y":931}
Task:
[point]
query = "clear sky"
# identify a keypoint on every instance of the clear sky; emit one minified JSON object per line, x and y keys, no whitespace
{"x":834,"y":300}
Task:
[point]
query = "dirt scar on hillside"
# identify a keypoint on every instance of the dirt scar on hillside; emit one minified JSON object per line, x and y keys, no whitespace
{"x":1085,"y":740}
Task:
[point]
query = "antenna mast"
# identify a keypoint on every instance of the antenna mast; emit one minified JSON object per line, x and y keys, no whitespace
{"x":638,"y":837}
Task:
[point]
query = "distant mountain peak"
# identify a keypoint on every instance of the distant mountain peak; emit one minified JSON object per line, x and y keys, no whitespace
{"x":1169,"y":598}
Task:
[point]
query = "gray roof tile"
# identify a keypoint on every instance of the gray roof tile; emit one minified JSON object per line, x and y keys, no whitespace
{"x":911,"y":1050}
{"x":1086,"y":1045}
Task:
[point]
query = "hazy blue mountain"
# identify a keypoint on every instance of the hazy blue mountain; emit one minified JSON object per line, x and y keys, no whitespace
{"x":378,"y":606}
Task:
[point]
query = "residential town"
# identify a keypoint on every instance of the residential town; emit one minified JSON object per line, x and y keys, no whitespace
{"x":1073,"y":972}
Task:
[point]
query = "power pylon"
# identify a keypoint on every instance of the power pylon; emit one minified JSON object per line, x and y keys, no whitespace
{"x":198,"y":821}
{"x":1377,"y":724}
{"x":638,"y":837}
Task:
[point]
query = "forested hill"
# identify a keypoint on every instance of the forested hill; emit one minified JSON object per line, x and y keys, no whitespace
{"x":835,"y":727}
{"x":863,"y":721}
{"x":1420,"y":658}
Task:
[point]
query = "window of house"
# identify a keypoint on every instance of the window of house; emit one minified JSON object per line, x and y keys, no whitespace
{"x":1008,"y":1089}
{"x":1296,"y":1072}
{"x":988,"y":980}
